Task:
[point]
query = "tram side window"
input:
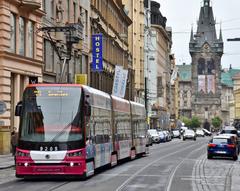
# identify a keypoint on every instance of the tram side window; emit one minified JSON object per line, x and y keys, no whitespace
{"x":100,"y":124}
{"x":139,"y":126}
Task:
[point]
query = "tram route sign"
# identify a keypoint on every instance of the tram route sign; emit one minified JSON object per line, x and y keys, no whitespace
{"x":3,"y":107}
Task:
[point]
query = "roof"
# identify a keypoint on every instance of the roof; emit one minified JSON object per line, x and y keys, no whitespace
{"x":185,"y":72}
{"x":222,"y":136}
{"x":236,"y":76}
{"x":227,"y":77}
{"x":229,"y":128}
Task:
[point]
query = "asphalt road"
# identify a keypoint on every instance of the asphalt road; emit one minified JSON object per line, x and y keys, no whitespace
{"x":174,"y":166}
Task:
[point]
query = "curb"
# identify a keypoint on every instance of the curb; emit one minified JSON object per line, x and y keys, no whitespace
{"x":6,"y":167}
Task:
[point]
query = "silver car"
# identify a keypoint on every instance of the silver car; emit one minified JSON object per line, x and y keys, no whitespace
{"x":154,"y":135}
{"x":189,"y":134}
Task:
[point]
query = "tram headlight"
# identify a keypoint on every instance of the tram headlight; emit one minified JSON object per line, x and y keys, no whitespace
{"x":22,"y":154}
{"x":75,"y":154}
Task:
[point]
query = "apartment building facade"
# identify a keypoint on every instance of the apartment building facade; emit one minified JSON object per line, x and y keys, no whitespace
{"x":20,"y":58}
{"x":109,"y":18}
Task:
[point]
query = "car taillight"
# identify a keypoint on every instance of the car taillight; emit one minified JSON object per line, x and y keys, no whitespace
{"x":231,"y":146}
{"x":212,"y":145}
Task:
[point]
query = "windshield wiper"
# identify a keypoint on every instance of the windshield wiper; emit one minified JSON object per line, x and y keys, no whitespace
{"x":61,"y":132}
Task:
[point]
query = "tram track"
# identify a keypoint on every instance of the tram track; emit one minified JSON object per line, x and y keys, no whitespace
{"x":168,"y":184}
{"x":202,"y":181}
{"x":168,"y":188}
{"x":155,"y":150}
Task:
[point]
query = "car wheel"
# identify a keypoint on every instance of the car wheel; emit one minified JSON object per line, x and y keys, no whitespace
{"x":184,"y":139}
{"x":209,"y":156}
{"x":235,"y":157}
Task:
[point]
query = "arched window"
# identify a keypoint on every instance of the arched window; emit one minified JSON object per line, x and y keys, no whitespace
{"x":21,"y":36}
{"x":210,"y":66}
{"x":12,"y":33}
{"x":30,"y":39}
{"x":201,"y":66}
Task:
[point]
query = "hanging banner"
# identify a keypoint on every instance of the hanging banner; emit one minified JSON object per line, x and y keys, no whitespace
{"x":123,"y":83}
{"x":116,"y":82}
{"x":120,"y":82}
{"x":174,"y":75}
{"x":201,"y":83}
{"x":211,"y":84}
{"x":97,"y":59}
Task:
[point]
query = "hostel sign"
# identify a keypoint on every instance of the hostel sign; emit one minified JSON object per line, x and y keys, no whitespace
{"x":97,"y":64}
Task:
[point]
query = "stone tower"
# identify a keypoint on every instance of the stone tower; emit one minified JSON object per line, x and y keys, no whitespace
{"x":206,"y":51}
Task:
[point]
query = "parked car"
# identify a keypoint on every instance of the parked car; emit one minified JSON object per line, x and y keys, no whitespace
{"x":162,"y":136}
{"x":200,"y":133}
{"x":182,"y":129}
{"x":154,"y":135}
{"x":168,"y":136}
{"x":176,"y":133}
{"x":149,"y":139}
{"x":206,"y":132}
{"x":189,"y":134}
{"x":223,"y":145}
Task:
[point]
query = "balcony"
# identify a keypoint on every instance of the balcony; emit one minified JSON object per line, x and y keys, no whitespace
{"x":31,"y":4}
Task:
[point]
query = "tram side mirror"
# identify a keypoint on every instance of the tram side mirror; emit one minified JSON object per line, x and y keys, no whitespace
{"x":18,"y":109}
{"x":87,"y":105}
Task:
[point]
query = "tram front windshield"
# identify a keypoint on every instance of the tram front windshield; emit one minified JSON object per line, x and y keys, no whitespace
{"x":51,"y":114}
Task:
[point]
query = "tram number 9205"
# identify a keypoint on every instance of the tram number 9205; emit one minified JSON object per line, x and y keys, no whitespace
{"x":45,"y":148}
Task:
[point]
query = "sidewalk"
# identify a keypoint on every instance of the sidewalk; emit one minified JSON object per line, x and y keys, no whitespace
{"x":6,"y":161}
{"x":235,"y":178}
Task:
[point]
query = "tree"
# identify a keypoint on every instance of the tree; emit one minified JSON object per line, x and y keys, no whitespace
{"x":216,"y":122}
{"x":195,"y":122}
{"x":186,"y":121}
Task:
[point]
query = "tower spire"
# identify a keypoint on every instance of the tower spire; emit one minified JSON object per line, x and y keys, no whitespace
{"x":206,"y":3}
{"x":191,"y":37}
{"x":220,"y":33}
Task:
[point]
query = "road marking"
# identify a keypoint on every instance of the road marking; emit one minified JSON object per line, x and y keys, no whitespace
{"x":147,"y":175}
{"x":138,"y":186}
{"x":136,"y":173}
{"x":176,"y":168}
{"x":198,"y":177}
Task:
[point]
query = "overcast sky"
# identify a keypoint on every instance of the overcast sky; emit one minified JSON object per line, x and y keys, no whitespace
{"x":181,"y":15}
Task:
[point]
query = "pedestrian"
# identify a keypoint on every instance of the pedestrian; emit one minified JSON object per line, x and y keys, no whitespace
{"x":13,"y":141}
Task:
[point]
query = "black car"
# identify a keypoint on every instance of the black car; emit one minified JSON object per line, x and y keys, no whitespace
{"x":231,"y":130}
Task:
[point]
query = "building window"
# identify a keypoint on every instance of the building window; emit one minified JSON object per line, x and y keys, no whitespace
{"x":12,"y":33}
{"x":201,"y":66}
{"x":68,"y":10}
{"x":86,"y":23}
{"x":30,"y":39}
{"x":48,"y":56}
{"x":21,"y":36}
{"x":43,"y":5}
{"x":74,"y":12}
